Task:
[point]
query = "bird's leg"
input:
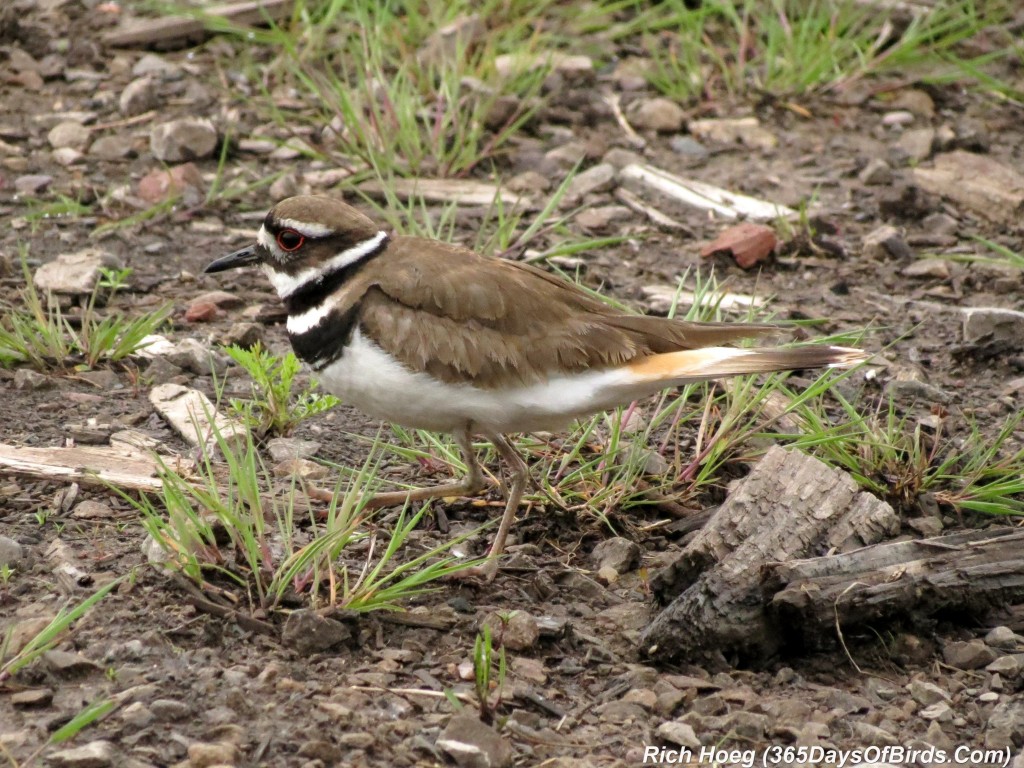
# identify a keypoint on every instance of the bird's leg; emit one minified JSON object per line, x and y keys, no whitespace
{"x":520,"y":476}
{"x":470,"y":485}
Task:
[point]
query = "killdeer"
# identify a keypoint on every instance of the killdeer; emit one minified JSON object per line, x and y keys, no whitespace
{"x":434,"y":336}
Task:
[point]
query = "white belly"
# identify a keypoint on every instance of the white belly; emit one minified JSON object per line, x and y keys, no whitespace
{"x":374,"y":382}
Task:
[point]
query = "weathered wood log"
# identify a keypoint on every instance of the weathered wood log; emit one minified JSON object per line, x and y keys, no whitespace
{"x":967,"y":573}
{"x":169,"y":31}
{"x":790,"y":506}
{"x":93,"y":465}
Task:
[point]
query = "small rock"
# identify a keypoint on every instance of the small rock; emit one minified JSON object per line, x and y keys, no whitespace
{"x":328,"y":753}
{"x":917,"y":143}
{"x":530,"y":670}
{"x":33,"y":697}
{"x":913,"y":389}
{"x":74,"y":273}
{"x":103,"y":378}
{"x":285,"y":448}
{"x":300,"y":468}
{"x":884,"y":243}
{"x":92,"y":510}
{"x":528,"y":181}
{"x":1009,"y":666}
{"x":244,"y":335}
{"x":984,"y":323}
{"x":574,"y":67}
{"x":193,"y":355}
{"x":169,"y":710}
{"x":607,"y":575}
{"x":1004,"y":637}
{"x":926,"y":694}
{"x":618,"y":553}
{"x":137,"y":715}
{"x":681,"y":734}
{"x":68,"y":134}
{"x":221,"y":299}
{"x":1005,"y":726}
{"x":201,"y":312}
{"x":876,"y":173}
{"x":517,"y":631}
{"x":747,"y":131}
{"x":308,"y":632}
{"x":927,"y":268}
{"x":568,"y":155}
{"x":26,"y":379}
{"x":620,"y":712}
{"x":138,"y":96}
{"x":68,"y":665}
{"x":206,"y":754}
{"x":472,"y":744}
{"x":645,"y":697}
{"x":152,"y":64}
{"x":603,"y":216}
{"x":688,"y":147}
{"x":914,"y":100}
{"x":357,"y":740}
{"x":872,"y":734}
{"x":183,"y":140}
{"x":161,"y":184}
{"x":32,"y":183}
{"x":926,"y":526}
{"x":897,"y":117}
{"x":600,"y":178}
{"x":111,"y":148}
{"x":973,"y":654}
{"x":66,"y":156}
{"x":940,"y":712}
{"x":95,"y":754}
{"x":660,"y":115}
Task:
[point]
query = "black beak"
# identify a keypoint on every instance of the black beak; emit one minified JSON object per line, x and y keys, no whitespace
{"x":239,"y":258}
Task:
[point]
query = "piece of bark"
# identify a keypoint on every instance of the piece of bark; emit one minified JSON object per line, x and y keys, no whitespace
{"x":191,"y":414}
{"x":978,"y":183}
{"x":64,"y":561}
{"x":790,"y":506}
{"x":731,"y":205}
{"x":95,"y":466}
{"x":169,"y":30}
{"x":970,"y":573}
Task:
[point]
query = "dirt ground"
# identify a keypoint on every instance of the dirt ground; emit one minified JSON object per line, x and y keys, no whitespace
{"x":194,"y":689}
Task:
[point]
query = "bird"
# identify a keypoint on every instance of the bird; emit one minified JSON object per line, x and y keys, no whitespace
{"x":434,"y":336}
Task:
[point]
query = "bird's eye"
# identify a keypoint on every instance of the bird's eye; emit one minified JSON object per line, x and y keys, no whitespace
{"x":289,"y":239}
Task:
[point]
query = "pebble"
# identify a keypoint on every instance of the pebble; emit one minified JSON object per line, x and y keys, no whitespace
{"x":747,"y":131}
{"x":997,"y":324}
{"x":26,"y":379}
{"x":138,"y":96}
{"x":285,"y":448}
{"x":473,"y":744}
{"x":95,"y":754}
{"x":74,"y":273}
{"x":1010,"y":666}
{"x":603,"y":216}
{"x":66,"y":156}
{"x":568,"y":155}
{"x":32,"y":183}
{"x":168,"y":710}
{"x":308,"y":632}
{"x":659,"y":114}
{"x":884,"y":243}
{"x":688,"y":147}
{"x":600,"y":178}
{"x":111,"y":148}
{"x":68,"y":134}
{"x":940,"y":711}
{"x":68,"y":665}
{"x":151,"y":64}
{"x":1004,"y":637}
{"x":576,"y":67}
{"x":973,"y":654}
{"x":206,"y":754}
{"x":876,"y":173}
{"x":245,"y":335}
{"x":1005,"y":726}
{"x":182,"y":140}
{"x":137,"y":715}
{"x":192,"y":355}
{"x":617,"y":553}
{"x":529,"y":181}
{"x":517,"y":631}
{"x":926,"y":694}
{"x":933,"y":268}
{"x":679,"y":733}
{"x":11,"y":552}
{"x":92,"y":510}
{"x":897,"y":117}
{"x":33,"y":697}
{"x":917,"y":143}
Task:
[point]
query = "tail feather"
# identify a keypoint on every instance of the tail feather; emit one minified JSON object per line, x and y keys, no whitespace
{"x":693,"y":365}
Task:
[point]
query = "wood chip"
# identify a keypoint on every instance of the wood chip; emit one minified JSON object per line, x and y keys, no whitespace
{"x":191,"y":414}
{"x":170,"y":29}
{"x":978,"y":183}
{"x":731,"y":205}
{"x":88,"y":465}
{"x":458,"y":191}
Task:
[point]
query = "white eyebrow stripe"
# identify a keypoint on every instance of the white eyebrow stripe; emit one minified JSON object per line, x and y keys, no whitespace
{"x":312,"y":317}
{"x":263,"y":238}
{"x":307,"y":228}
{"x":287,"y":284}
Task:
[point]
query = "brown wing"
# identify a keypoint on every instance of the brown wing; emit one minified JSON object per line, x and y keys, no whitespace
{"x":458,"y":315}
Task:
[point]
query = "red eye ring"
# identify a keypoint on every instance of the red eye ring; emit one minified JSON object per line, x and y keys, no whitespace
{"x":290,"y":240}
